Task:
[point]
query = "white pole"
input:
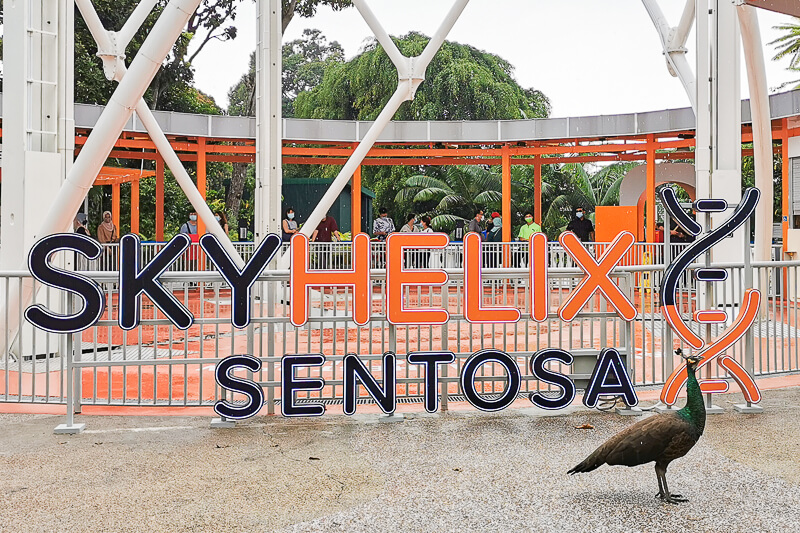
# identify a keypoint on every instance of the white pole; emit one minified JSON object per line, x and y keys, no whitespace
{"x":182,"y":177}
{"x":100,"y":142}
{"x":134,"y":22}
{"x":672,"y":42}
{"x":762,"y":128}
{"x":411,"y":72}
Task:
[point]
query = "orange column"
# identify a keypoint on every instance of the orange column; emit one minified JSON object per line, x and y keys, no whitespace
{"x":355,"y":203}
{"x":785,"y":181}
{"x":537,"y":185}
{"x":650,"y":197}
{"x":159,"y":198}
{"x":115,"y":206}
{"x":506,"y":204}
{"x":506,"y":193}
{"x":201,"y":178}
{"x":134,"y":207}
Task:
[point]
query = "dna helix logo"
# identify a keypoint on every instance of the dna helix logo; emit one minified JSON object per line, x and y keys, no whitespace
{"x":748,"y":310}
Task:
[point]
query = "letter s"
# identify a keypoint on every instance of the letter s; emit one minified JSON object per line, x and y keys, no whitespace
{"x":87,"y":289}
{"x":254,"y":393}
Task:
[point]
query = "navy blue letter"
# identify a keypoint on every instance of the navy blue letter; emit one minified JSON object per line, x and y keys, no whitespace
{"x":471,"y":367}
{"x":254,"y":393}
{"x":610,"y":361}
{"x":290,"y":384}
{"x":89,"y":292}
{"x":354,"y":369}
{"x":431,"y":360}
{"x":541,"y":373}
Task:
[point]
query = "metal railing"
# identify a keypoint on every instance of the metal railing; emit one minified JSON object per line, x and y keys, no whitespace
{"x":157,"y":364}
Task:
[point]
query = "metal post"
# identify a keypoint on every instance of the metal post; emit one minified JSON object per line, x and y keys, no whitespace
{"x":72,"y":375}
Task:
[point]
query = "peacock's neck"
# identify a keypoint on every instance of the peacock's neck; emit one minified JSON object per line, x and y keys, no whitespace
{"x":695,"y":410}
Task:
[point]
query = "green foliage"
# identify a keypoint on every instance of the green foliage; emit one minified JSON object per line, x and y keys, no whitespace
{"x":569,"y":186}
{"x":172,"y":88}
{"x":462,"y":83}
{"x":305,"y":61}
{"x":788,"y":45}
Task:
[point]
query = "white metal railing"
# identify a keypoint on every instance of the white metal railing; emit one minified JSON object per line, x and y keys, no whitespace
{"x":157,"y":364}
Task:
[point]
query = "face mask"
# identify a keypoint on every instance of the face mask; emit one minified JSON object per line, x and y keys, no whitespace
{"x":218,"y":217}
{"x":579,"y":215}
{"x":193,"y":217}
{"x":528,"y":219}
{"x":290,"y":216}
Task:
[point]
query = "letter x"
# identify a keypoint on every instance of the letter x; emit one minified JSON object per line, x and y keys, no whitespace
{"x":597,"y":276}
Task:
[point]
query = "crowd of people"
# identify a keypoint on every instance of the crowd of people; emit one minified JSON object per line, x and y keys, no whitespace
{"x":328,"y":230}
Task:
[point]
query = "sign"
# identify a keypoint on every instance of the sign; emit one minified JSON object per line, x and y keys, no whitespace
{"x":609,"y":377}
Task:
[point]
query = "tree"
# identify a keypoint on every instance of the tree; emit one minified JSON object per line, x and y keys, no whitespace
{"x":569,"y":186}
{"x":304,"y":63}
{"x":462,"y":83}
{"x":455,"y":195}
{"x":308,"y":8}
{"x":172,"y":88}
{"x":788,"y":44}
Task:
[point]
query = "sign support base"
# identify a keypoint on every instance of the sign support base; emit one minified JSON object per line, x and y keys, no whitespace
{"x":220,"y":423}
{"x":394,"y":417}
{"x":748,"y":408}
{"x":69,"y":429}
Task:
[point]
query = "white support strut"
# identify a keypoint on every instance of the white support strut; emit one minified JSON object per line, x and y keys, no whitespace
{"x":411,"y":73}
{"x":673,"y":41}
{"x":101,"y":140}
{"x":762,"y":127}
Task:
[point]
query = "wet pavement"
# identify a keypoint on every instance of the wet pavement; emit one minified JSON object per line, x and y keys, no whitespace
{"x":460,"y":471}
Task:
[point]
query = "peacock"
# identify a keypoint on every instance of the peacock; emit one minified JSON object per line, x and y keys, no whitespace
{"x":661,"y":438}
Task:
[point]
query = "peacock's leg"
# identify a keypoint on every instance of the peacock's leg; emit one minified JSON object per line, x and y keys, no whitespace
{"x":661,"y":493}
{"x":661,"y":472}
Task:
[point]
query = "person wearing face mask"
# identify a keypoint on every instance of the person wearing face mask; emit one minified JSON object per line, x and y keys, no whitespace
{"x":190,"y":226}
{"x":529,"y":228}
{"x":223,"y":220}
{"x":581,"y":226}
{"x":289,"y":225}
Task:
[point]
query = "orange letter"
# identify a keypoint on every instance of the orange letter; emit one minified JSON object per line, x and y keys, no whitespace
{"x":748,"y":313}
{"x":302,"y":278}
{"x":397,"y":278}
{"x":597,"y":276}
{"x":540,"y":290}
{"x":473,"y":288}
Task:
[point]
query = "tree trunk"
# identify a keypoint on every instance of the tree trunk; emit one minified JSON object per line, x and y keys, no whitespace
{"x":233,"y":200}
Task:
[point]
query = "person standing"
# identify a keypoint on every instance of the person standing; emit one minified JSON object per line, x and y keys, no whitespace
{"x":107,"y":232}
{"x":475,"y":224}
{"x":327,"y":231}
{"x":425,"y":255}
{"x":411,"y":256}
{"x":529,"y":228}
{"x":289,"y":225}
{"x":79,"y":224}
{"x":410,"y":225}
{"x":581,"y":226}
{"x":223,"y":220}
{"x":495,"y":235}
{"x":190,"y":226}
{"x":383,"y":225}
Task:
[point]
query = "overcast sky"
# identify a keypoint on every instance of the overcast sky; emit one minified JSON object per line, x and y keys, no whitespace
{"x":590,"y":57}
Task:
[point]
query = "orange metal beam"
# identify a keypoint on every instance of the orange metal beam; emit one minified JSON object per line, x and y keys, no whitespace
{"x":134,"y":207}
{"x":115,"y":193}
{"x":537,"y":189}
{"x":355,"y":203}
{"x":650,"y":197}
{"x":505,"y":212}
{"x":159,"y":198}
{"x":201,"y":179}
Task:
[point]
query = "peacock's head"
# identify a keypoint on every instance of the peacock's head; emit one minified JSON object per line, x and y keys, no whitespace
{"x":691,"y":360}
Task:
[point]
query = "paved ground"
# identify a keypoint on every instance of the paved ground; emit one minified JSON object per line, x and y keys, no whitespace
{"x":463,"y":471}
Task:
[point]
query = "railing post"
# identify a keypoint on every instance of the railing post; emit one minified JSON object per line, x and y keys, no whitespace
{"x":70,"y":427}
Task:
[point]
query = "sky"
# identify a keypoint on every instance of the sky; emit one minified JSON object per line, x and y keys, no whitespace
{"x":590,"y":57}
